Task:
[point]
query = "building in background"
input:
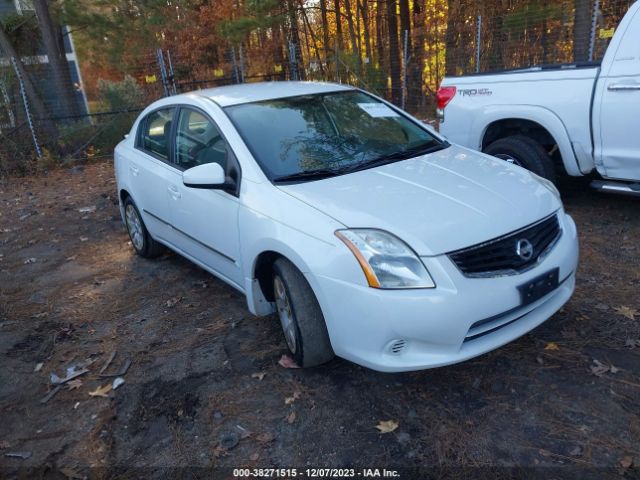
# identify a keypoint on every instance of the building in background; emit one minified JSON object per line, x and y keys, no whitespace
{"x":39,"y":72}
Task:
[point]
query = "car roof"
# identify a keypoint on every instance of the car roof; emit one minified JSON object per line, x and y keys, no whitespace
{"x":255,"y":92}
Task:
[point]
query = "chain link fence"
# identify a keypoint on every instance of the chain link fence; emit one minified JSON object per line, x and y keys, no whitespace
{"x":450,"y":38}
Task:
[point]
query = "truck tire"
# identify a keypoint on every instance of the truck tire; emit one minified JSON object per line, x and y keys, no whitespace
{"x":141,"y":240}
{"x":526,"y":153}
{"x":302,"y":321}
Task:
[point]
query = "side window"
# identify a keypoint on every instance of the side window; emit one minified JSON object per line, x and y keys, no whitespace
{"x":199,"y":141}
{"x":156,"y":129}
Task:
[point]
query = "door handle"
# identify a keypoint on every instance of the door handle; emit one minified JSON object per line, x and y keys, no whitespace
{"x":174,"y":192}
{"x":134,"y":169}
{"x":621,"y":87}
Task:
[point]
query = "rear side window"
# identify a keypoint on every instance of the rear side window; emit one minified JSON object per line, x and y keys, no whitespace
{"x":156,"y":130}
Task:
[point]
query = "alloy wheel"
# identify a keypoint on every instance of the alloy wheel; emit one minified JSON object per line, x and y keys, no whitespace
{"x":134,"y":226}
{"x":285,"y":313}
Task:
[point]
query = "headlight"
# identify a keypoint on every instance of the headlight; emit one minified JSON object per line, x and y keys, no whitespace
{"x":547,"y":183}
{"x":387,"y":262}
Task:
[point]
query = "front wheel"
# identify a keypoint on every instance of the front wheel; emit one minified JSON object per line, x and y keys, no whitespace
{"x":303,"y":325}
{"x":524,"y":152}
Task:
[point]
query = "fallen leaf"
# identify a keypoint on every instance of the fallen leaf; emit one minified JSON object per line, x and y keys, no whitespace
{"x":258,"y":375}
{"x":290,"y":400}
{"x":265,"y":437}
{"x":101,"y":391}
{"x":74,"y":384}
{"x":576,"y":451}
{"x":291,"y":417}
{"x":628,"y":312}
{"x":172,"y":302}
{"x":631,"y":343}
{"x":220,"y":451}
{"x":71,"y":473}
{"x":287,"y":362}
{"x":599,"y":368}
{"x":254,"y":456}
{"x":626,"y":462}
{"x":84,"y":239}
{"x":38,"y":367}
{"x":387,"y":426}
{"x":552,"y":346}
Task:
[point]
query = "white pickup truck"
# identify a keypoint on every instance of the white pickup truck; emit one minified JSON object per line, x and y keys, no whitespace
{"x":569,"y":118}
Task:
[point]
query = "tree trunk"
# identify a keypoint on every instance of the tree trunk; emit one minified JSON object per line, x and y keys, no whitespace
{"x":54,"y":47}
{"x":295,"y":39}
{"x":278,"y":56}
{"x":416,"y":65}
{"x":35,"y":103}
{"x":325,"y":30}
{"x":336,"y":5}
{"x":581,"y":30}
{"x":394,"y":53}
{"x":405,"y":33}
{"x":450,"y":39}
{"x":352,"y":30}
{"x":380,"y":54}
{"x":364,"y":12}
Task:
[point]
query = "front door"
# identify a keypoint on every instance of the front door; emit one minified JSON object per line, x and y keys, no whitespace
{"x":205,"y":220}
{"x":618,"y":142}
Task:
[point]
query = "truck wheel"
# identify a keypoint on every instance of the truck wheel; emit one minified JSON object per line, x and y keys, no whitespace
{"x":302,"y":321}
{"x":144,"y":245}
{"x":524,"y":152}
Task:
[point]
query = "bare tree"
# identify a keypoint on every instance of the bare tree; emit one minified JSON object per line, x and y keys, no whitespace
{"x":581,"y":30}
{"x":54,"y":47}
{"x":35,"y":102}
{"x":394,"y":53}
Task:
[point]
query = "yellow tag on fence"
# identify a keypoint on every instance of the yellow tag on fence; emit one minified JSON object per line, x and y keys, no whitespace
{"x":606,"y":32}
{"x":218,"y":72}
{"x":150,"y":78}
{"x":277,"y":68}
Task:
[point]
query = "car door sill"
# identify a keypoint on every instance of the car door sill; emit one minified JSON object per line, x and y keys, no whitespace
{"x":202,"y":265}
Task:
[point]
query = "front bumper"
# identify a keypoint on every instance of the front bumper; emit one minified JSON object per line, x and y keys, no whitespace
{"x":403,"y":330}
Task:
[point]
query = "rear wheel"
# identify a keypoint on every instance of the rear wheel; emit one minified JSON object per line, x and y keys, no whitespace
{"x":143,"y":244}
{"x":303,"y":325}
{"x":524,"y":152}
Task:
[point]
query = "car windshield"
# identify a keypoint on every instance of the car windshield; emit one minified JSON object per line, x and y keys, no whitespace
{"x":326,"y":134}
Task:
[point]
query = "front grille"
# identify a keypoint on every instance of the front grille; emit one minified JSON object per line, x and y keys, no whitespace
{"x":500,"y":256}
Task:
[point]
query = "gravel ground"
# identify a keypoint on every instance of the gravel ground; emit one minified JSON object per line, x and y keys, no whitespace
{"x":205,"y":389}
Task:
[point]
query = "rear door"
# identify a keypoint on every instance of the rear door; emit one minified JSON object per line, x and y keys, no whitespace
{"x":617,"y":127}
{"x":151,"y":172}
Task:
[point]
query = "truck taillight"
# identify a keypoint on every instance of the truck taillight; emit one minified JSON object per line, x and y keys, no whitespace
{"x":443,"y":97}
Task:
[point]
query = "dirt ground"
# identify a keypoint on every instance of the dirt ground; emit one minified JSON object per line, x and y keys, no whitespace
{"x":205,"y":388}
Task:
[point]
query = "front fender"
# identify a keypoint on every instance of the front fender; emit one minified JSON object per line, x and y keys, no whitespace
{"x":540,"y":115}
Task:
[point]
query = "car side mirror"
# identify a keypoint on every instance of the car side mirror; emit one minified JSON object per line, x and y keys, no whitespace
{"x":209,"y":175}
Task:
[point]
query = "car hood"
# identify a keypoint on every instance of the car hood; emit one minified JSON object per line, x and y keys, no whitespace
{"x":437,"y":203}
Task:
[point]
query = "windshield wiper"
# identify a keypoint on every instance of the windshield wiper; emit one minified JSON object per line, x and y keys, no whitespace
{"x":399,"y":155}
{"x":308,"y":175}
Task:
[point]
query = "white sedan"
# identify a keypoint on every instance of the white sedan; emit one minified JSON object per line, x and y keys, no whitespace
{"x":371,"y":236}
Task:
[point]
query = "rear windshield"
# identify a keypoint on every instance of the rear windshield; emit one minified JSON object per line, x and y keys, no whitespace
{"x":323,"y":131}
